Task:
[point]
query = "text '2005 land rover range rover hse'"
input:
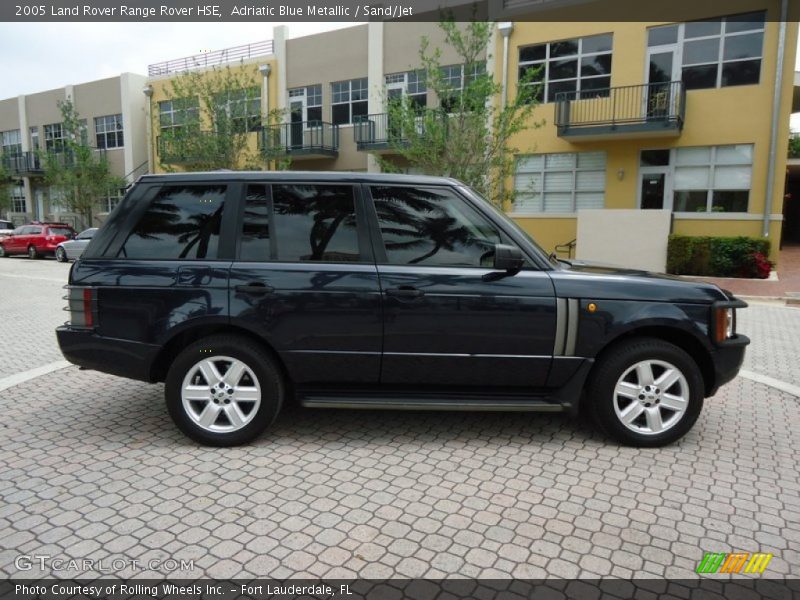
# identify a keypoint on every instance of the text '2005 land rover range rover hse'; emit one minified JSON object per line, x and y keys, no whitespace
{"x":242,"y":291}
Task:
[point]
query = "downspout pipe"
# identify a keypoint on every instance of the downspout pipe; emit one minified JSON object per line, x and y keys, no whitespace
{"x":505,"y":29}
{"x":776,"y":107}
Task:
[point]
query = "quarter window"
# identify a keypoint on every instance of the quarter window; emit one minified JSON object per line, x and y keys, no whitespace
{"x":315,"y":223}
{"x":182,"y":222}
{"x":348,"y":100}
{"x":579,"y":68}
{"x":108,"y":131}
{"x":561,"y":183}
{"x":432,"y":227}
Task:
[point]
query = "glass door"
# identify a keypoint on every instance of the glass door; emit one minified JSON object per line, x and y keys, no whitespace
{"x":653,"y":188}
{"x":296,"y":112}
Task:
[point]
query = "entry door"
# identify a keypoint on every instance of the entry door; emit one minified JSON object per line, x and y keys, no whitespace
{"x":654,"y":188}
{"x":296,"y":111}
{"x":449,"y":319}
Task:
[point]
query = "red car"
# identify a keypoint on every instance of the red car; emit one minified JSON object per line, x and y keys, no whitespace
{"x":36,"y":239}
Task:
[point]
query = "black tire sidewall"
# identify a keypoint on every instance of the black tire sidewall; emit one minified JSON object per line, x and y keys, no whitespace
{"x":61,"y":255}
{"x":263,"y":367}
{"x":620,"y":358}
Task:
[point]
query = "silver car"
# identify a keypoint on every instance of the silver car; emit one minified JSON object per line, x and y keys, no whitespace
{"x":72,"y":249}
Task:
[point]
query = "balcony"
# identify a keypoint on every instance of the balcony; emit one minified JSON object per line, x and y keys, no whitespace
{"x":23,"y":164}
{"x":300,"y":140}
{"x":634,"y":111}
{"x":378,"y":133}
{"x":210,"y":59}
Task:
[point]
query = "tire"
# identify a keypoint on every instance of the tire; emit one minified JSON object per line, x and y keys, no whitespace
{"x":3,"y":252}
{"x":61,"y":255}
{"x":33,"y":253}
{"x":628,"y":384}
{"x":202,"y":413}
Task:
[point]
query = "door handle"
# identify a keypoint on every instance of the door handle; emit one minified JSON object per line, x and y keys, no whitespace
{"x":405,"y":292}
{"x":256,"y":288}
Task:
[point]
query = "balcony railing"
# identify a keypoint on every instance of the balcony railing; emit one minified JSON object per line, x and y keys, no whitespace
{"x":22,"y":164}
{"x":302,"y":139}
{"x":657,"y":109}
{"x":210,"y":59}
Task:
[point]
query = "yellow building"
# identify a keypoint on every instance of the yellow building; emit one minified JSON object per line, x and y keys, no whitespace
{"x":675,"y":116}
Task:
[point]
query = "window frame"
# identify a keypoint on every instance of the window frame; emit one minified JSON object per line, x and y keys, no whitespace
{"x":250,"y":95}
{"x":52,"y":142}
{"x":6,"y":142}
{"x":190,"y":110}
{"x":349,"y":102}
{"x":402,"y":81}
{"x":18,"y":199}
{"x":103,"y":132}
{"x":578,"y":57}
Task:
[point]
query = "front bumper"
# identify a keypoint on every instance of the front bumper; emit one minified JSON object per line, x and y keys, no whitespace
{"x":124,"y":358}
{"x":727,"y":359}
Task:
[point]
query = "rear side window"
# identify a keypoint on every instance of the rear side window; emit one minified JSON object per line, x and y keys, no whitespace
{"x":254,"y":241}
{"x":315,"y":223}
{"x":433,"y":227}
{"x":182,"y":222}
{"x":61,"y":231}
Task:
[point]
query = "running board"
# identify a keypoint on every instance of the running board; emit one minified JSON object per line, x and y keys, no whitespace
{"x":466,"y":404}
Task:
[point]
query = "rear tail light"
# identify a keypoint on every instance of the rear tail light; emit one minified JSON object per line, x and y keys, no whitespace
{"x":82,"y":307}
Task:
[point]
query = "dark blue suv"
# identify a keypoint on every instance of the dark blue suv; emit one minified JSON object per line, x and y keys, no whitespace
{"x":243,"y":291}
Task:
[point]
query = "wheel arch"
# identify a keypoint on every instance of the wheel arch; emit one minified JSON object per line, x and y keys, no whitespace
{"x":181,"y":339}
{"x":681,"y":338}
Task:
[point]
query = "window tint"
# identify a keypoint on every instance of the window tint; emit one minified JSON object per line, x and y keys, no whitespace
{"x":255,"y":225}
{"x":181,"y":222}
{"x":315,"y":223}
{"x":433,"y":227}
{"x":61,"y":231}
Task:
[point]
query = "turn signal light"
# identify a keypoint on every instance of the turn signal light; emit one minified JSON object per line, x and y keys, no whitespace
{"x":723,"y":324}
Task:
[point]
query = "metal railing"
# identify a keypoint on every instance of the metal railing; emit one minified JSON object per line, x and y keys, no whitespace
{"x":651,"y":103}
{"x":381,"y":129}
{"x":302,"y":137}
{"x":210,"y":59}
{"x":22,"y":163}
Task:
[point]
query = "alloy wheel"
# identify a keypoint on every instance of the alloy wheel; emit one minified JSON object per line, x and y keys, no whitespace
{"x":651,"y":397}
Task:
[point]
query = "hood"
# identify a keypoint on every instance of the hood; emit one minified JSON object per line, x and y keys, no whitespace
{"x":586,"y":279}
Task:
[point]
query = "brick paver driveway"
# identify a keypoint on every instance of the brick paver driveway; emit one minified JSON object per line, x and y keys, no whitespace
{"x":92,"y":468}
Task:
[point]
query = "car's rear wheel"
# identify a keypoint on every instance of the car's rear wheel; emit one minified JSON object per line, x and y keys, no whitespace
{"x":61,"y":254}
{"x":2,"y":252}
{"x":33,"y":252}
{"x":224,"y":391}
{"x":645,"y":392}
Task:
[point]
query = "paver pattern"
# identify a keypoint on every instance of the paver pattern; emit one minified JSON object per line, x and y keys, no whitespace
{"x":92,"y":468}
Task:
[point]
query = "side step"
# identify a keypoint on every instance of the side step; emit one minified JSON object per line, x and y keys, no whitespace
{"x":433,"y":403}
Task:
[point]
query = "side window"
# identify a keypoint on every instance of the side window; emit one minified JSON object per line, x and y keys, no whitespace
{"x":182,"y":222}
{"x":315,"y":222}
{"x":255,"y":226}
{"x":433,"y":227}
{"x":34,"y":230}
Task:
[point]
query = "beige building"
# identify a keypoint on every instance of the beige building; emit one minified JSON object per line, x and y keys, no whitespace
{"x":114,"y":113}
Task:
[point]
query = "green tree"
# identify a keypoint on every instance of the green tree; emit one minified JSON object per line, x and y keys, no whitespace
{"x":217,"y":113}
{"x":468,"y":136}
{"x":78,"y":174}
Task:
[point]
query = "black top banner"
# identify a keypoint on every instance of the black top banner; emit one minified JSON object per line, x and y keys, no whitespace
{"x":354,"y":10}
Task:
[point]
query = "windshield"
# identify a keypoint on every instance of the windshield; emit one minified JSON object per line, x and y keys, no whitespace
{"x":86,"y":235}
{"x":61,"y":231}
{"x":513,"y":224}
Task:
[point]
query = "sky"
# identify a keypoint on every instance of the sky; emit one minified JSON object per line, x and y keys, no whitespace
{"x":43,"y":56}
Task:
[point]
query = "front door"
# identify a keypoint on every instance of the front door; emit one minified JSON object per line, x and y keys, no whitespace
{"x":296,"y":110}
{"x":653,"y":189}
{"x":305,"y":281}
{"x":449,"y":319}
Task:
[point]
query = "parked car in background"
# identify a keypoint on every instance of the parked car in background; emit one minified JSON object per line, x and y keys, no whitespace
{"x":36,"y":239}
{"x":6,"y":228}
{"x":72,"y":249}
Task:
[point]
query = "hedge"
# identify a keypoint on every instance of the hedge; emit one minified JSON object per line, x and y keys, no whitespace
{"x":717,"y":256}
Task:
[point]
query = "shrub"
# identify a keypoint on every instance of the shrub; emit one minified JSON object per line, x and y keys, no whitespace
{"x":718,"y":256}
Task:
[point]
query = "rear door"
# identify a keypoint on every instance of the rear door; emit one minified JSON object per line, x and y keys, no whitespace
{"x":449,"y":319}
{"x":305,"y":280}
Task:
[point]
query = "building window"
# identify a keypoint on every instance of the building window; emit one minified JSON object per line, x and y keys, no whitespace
{"x":11,"y":142}
{"x":713,"y":178}
{"x":18,"y":203}
{"x":579,"y":67}
{"x":108,"y":130}
{"x":560,"y":183}
{"x":110,"y":202}
{"x":454,"y":79}
{"x":722,"y":52}
{"x":243,"y":108}
{"x":54,"y":137}
{"x":348,"y":100}
{"x":311,"y":98}
{"x":175,"y":114}
{"x":411,"y":84}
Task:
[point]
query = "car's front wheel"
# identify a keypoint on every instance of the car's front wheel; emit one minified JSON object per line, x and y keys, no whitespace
{"x":645,"y":392}
{"x":2,"y":252}
{"x":223,"y":391}
{"x":61,"y":254}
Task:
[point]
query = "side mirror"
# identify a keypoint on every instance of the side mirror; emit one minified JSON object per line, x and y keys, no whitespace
{"x":508,"y":258}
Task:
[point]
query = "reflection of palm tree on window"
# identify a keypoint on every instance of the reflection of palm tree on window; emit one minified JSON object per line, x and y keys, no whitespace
{"x":198,"y":231}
